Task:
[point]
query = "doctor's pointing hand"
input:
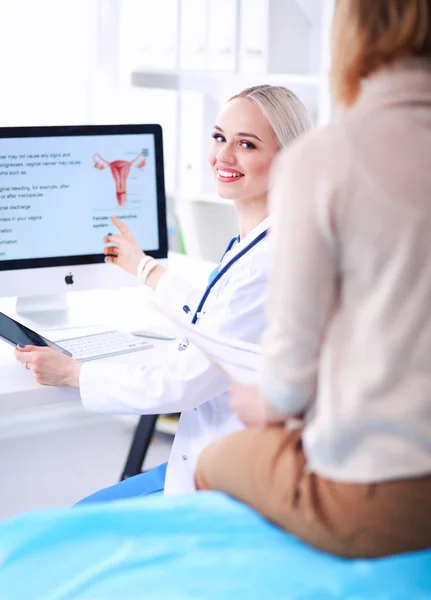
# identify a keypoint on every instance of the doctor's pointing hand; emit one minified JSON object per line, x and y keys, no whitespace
{"x":123,"y":250}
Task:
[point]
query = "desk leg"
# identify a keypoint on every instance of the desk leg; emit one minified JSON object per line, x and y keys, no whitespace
{"x":138,"y":449}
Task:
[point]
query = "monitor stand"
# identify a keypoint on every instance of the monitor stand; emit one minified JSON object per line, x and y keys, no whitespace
{"x":51,"y":312}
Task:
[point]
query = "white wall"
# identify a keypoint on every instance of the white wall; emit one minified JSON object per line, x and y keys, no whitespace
{"x":46,"y":53}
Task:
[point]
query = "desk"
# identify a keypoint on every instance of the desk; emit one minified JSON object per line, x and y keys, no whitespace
{"x":18,"y":388}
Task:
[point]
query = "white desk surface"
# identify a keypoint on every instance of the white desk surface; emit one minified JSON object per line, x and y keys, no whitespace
{"x":126,"y":309}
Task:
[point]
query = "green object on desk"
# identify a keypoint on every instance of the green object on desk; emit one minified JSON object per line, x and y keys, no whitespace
{"x":180,"y":240}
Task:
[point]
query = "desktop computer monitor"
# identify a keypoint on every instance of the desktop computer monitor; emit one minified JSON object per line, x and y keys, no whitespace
{"x":59,"y":186}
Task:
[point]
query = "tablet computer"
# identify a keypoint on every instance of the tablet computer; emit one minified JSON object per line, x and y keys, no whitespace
{"x":15,"y":333}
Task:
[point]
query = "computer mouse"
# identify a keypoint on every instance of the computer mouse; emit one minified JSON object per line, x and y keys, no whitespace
{"x":153,"y":334}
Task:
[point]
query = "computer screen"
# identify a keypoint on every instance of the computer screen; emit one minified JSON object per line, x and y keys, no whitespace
{"x":59,"y":186}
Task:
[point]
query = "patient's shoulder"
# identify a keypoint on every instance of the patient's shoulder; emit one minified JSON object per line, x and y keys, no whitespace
{"x":322,"y":152}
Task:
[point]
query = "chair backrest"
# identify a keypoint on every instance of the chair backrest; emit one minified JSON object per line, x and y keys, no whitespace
{"x":208,"y":223}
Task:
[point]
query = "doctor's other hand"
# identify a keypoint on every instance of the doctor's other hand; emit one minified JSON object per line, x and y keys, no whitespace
{"x":126,"y":251}
{"x":50,"y":367}
{"x":250,"y":408}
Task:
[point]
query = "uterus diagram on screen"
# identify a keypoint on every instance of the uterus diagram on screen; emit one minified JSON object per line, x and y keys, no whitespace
{"x":120,"y":170}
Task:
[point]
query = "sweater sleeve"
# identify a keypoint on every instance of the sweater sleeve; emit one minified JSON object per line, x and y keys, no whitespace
{"x":303,"y":279}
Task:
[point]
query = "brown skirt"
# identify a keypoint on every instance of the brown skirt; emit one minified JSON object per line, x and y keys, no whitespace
{"x":265,"y":468}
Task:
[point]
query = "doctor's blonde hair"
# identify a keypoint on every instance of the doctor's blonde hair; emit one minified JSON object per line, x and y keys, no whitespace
{"x":285,"y":112}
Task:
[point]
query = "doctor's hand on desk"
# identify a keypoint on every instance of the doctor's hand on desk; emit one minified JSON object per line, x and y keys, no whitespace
{"x":123,"y":250}
{"x":49,"y":366}
{"x":251,"y":409}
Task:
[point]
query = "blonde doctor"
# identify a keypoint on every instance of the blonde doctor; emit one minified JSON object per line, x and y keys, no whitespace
{"x":249,"y":132}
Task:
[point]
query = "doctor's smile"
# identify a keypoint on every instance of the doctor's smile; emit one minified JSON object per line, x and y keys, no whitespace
{"x":228,"y":175}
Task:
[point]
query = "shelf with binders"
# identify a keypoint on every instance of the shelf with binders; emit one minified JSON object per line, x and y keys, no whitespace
{"x":175,"y":38}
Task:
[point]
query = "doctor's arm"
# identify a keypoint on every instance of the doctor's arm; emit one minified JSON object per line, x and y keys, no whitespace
{"x":186,"y":379}
{"x":183,"y":381}
{"x":55,"y":369}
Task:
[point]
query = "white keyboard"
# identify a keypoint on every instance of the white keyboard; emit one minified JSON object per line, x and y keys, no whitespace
{"x":101,"y":345}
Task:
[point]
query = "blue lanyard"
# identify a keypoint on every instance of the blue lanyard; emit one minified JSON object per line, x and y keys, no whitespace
{"x":214,"y":273}
{"x":215,"y":276}
{"x":224,"y":270}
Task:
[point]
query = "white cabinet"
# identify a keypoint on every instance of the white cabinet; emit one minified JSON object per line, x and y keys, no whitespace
{"x":149,"y":34}
{"x":191,"y":150}
{"x":253,"y":42}
{"x":280,"y":36}
{"x":135,"y":34}
{"x":222,"y":35}
{"x":208,"y":34}
{"x":193,"y":34}
{"x":163,"y":34}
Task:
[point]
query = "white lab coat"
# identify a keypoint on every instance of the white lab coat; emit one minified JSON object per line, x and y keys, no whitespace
{"x":187,"y":382}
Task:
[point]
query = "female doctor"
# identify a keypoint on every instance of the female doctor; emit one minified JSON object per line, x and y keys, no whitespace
{"x":250,"y":130}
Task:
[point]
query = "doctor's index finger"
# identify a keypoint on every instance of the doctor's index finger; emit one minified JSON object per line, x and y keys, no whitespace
{"x":122,"y":227}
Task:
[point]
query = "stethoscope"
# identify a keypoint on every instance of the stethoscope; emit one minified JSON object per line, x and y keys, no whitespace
{"x":184,"y":343}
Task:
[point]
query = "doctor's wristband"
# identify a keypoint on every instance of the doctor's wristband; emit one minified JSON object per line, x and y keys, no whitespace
{"x":146,"y":265}
{"x":144,"y":260}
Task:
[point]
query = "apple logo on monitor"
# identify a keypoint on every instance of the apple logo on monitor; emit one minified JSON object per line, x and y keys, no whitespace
{"x":69,"y":279}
